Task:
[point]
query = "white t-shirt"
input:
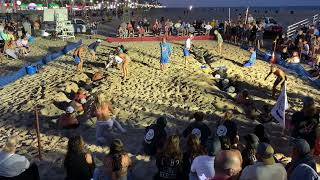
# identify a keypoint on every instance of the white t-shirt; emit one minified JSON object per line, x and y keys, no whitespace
{"x":188,"y":43}
{"x":203,"y":166}
{"x":259,"y":171}
{"x":295,"y":60}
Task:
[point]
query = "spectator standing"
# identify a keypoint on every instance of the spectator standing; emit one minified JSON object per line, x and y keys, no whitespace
{"x":266,"y":168}
{"x":169,"y":161}
{"x":198,"y":128}
{"x":78,"y":163}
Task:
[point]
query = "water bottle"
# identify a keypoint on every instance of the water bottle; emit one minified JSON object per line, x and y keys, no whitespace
{"x":203,"y":67}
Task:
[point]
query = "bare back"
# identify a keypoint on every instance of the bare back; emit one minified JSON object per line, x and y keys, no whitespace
{"x":103,"y":111}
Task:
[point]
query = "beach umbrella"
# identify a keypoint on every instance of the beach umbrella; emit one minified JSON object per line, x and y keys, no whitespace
{"x":32,"y":5}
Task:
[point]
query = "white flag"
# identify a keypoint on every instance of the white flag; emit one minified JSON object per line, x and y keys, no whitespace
{"x":279,"y":110}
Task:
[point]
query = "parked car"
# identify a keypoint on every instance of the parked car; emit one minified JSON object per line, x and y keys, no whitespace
{"x":80,"y":26}
{"x":271,"y":26}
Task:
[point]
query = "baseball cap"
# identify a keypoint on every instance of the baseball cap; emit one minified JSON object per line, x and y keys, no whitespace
{"x":69,"y":110}
{"x":83,"y":101}
{"x":99,"y":40}
{"x":265,"y":151}
{"x":301,"y":145}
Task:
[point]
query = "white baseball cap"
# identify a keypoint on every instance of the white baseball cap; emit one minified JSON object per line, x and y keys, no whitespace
{"x":83,"y":100}
{"x":99,"y":40}
{"x":69,"y":110}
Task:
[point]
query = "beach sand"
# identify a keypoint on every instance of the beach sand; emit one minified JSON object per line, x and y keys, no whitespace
{"x":147,"y":94}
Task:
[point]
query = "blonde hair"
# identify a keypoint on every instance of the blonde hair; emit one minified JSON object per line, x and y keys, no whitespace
{"x":10,"y":145}
{"x":100,"y":99}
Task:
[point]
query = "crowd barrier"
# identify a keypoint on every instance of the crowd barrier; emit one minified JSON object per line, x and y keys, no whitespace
{"x":5,"y":80}
{"x":157,"y":38}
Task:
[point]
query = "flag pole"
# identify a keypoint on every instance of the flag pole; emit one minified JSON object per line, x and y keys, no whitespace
{"x":229,"y":15}
{"x":38,"y":132}
{"x":247,"y":12}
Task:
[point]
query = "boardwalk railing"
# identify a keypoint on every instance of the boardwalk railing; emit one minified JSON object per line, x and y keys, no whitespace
{"x":294,"y":27}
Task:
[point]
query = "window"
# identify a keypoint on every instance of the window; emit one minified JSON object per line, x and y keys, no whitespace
{"x":80,"y":22}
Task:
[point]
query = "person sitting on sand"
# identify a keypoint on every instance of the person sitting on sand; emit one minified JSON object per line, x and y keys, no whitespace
{"x":219,"y":40}
{"x":78,"y":56}
{"x":253,"y":58}
{"x":285,"y":54}
{"x":166,"y":51}
{"x":93,"y":49}
{"x":155,"y":137}
{"x":198,"y":127}
{"x":68,"y":120}
{"x":116,"y":165}
{"x":281,"y":78}
{"x":295,"y":59}
{"x":78,"y":106}
{"x":104,"y":112}
{"x":187,"y":48}
{"x":14,"y":166}
{"x":81,"y":94}
{"x":78,"y":163}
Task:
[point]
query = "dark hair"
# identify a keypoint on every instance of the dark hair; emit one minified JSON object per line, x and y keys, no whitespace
{"x":198,"y":116}
{"x":194,"y":146}
{"x":172,"y":148}
{"x":75,"y":146}
{"x":116,"y":152}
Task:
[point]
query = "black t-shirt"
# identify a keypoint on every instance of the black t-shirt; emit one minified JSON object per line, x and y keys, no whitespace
{"x":168,"y":168}
{"x":154,"y":139}
{"x":305,"y":127}
{"x":200,"y":129}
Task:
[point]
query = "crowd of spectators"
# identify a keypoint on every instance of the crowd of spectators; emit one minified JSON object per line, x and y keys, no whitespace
{"x":198,"y":152}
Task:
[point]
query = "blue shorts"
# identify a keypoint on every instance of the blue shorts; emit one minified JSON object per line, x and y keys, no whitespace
{"x":247,"y":64}
{"x":186,"y":52}
{"x":164,"y":60}
{"x":76,"y":59}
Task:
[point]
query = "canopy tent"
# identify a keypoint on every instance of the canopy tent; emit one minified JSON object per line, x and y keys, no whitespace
{"x":53,"y":5}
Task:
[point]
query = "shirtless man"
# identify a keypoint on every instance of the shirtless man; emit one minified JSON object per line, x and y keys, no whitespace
{"x":78,"y":56}
{"x":281,"y":78}
{"x":104,"y":112}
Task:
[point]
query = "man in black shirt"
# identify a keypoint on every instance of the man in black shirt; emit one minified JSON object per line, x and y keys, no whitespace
{"x":198,"y":128}
{"x":306,"y":122}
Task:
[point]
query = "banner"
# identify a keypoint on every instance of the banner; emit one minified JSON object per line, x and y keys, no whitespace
{"x":279,"y":110}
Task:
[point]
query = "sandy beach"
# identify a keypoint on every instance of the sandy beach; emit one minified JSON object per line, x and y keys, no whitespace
{"x":147,"y":94}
